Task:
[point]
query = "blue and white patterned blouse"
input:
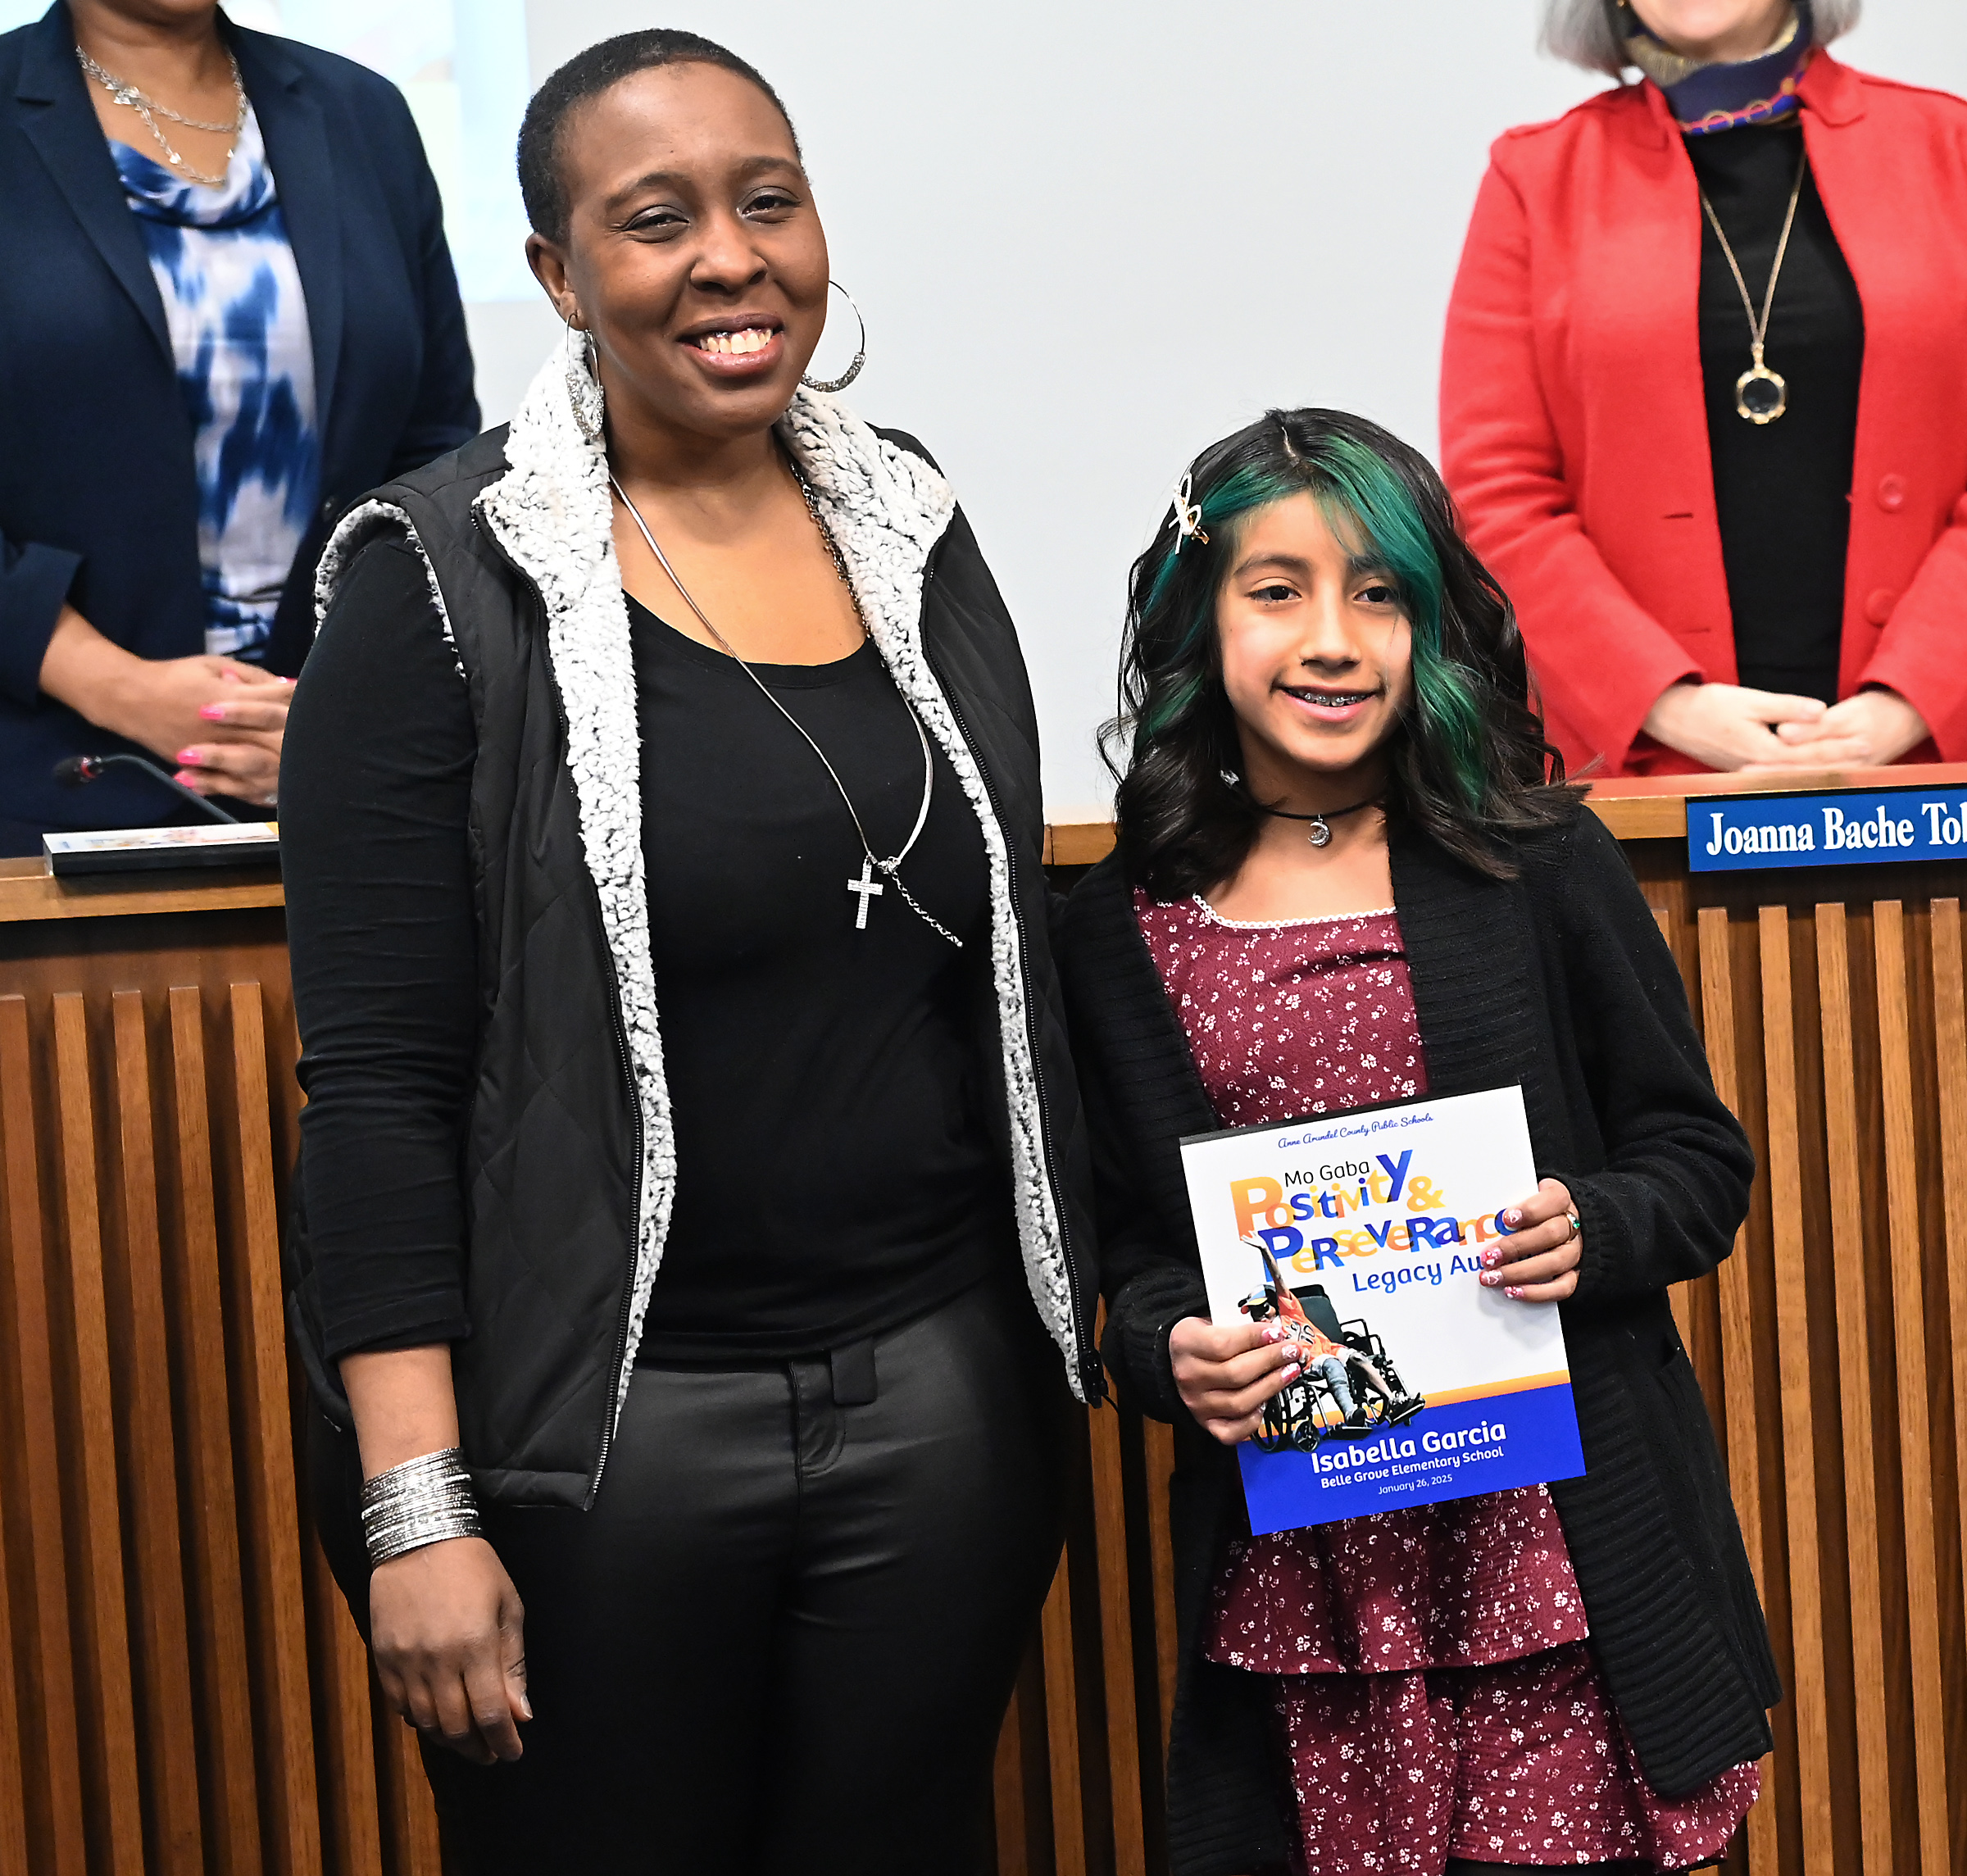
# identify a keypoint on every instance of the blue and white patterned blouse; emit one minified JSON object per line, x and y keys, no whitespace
{"x":238,"y":331}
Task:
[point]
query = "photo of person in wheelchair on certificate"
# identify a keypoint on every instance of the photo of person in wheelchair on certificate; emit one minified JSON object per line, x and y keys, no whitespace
{"x":1342,"y":1362}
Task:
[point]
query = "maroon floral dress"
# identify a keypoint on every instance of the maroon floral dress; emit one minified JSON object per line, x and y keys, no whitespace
{"x":1429,"y":1672}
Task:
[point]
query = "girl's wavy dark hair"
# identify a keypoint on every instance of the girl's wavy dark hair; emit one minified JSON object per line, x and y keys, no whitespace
{"x":1471,"y":765}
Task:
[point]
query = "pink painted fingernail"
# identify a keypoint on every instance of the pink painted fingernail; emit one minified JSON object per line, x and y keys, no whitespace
{"x":188,"y":755}
{"x":213,"y":712}
{"x":1488,"y":1258}
{"x":1512,"y":1217}
{"x":1514,"y":1291}
{"x":185,"y":778}
{"x":1492,"y":1277}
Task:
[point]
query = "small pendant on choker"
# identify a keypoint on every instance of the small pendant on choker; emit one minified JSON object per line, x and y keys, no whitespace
{"x":1318,"y":828}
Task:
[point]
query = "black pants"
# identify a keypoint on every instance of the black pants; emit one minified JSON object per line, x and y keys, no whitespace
{"x":785,"y":1638}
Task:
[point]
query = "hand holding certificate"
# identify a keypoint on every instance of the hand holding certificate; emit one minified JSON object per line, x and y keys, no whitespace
{"x":1366,"y":1256}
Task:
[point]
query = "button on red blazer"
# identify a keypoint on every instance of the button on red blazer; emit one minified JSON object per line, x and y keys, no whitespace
{"x":1574,"y":427}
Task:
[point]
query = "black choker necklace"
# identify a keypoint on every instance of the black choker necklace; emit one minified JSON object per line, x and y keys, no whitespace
{"x":1319,"y":833}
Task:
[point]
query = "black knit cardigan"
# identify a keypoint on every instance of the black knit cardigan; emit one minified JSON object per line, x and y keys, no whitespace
{"x":1558,"y":980}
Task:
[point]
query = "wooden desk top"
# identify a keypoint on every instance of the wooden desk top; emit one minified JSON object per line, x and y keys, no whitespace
{"x":28,"y":891}
{"x":1640,"y":807}
{"x":1635,"y":808}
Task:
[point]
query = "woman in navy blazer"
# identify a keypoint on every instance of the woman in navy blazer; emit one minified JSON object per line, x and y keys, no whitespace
{"x":107,"y":614}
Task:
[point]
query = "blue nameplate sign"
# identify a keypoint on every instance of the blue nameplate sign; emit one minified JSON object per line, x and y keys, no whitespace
{"x":1736,"y":833}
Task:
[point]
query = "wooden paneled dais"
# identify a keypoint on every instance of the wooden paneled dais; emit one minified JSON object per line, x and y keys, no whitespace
{"x":182,"y":1690}
{"x":185,"y":1694}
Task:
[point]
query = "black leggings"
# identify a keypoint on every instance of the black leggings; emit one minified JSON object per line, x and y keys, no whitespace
{"x":785,"y":1638}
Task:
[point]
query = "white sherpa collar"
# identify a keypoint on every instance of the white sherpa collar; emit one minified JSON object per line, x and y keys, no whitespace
{"x":886,"y":509}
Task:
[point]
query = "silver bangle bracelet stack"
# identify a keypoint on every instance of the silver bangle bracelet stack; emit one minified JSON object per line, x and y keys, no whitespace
{"x":421,"y":1501}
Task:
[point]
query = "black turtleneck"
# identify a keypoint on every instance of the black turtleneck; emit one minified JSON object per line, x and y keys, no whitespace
{"x":1782,"y":489}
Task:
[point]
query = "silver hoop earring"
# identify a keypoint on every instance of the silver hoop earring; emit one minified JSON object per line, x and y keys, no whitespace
{"x":853,"y":370}
{"x":583,"y":382}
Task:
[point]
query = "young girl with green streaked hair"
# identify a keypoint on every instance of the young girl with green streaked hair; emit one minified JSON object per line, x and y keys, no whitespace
{"x":1462,"y":746}
{"x":1349,"y":873}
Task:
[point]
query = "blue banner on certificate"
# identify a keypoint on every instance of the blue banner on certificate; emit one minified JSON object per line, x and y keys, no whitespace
{"x":1741,"y":833}
{"x":1361,"y":1235}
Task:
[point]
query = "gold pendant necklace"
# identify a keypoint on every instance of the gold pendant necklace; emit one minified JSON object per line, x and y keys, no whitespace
{"x":1761,"y":395}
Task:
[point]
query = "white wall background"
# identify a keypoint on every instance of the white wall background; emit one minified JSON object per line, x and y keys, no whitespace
{"x":1089,"y":236}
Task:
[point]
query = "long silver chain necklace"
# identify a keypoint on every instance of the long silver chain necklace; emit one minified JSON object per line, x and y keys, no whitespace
{"x":1761,"y":395}
{"x":150,"y":111}
{"x":865,"y":887}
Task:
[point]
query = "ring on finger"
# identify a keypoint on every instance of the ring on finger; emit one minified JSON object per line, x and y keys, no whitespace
{"x":1570,"y":1218}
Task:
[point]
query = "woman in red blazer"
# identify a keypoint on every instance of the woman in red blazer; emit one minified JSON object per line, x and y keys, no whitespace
{"x":1703,"y":584}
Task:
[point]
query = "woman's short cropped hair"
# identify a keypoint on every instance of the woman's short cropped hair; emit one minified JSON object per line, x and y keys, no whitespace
{"x":1587,"y":32}
{"x":1471,"y":762}
{"x":587,"y":75}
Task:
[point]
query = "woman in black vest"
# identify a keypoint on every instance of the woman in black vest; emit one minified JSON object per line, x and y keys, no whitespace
{"x":1344,"y":878}
{"x":690,"y":1126}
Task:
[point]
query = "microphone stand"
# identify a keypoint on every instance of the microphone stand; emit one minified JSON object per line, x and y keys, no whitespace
{"x":74,"y":771}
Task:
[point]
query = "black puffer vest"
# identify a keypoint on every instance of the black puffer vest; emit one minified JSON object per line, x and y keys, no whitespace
{"x":568,"y":1166}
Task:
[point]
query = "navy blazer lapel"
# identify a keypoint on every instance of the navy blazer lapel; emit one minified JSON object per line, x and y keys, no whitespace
{"x":58,"y":119}
{"x":297,"y":152}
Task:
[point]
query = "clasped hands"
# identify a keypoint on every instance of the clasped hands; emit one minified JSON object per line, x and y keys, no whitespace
{"x":1226,"y":1374}
{"x":1729,"y":727}
{"x":219,"y":721}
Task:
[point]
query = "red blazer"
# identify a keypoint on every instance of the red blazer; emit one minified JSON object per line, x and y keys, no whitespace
{"x":1574,"y":429}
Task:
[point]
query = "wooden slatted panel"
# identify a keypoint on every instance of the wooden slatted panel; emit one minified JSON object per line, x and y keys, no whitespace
{"x":1873,"y":1738}
{"x":1008,"y":1814}
{"x":167,"y":1735}
{"x":218,"y":1598}
{"x":13,"y":1789}
{"x":405,"y":1844}
{"x":284,"y":1712}
{"x":1737,"y":1303}
{"x":116,"y":1844}
{"x":1950,"y":1050}
{"x":1062,"y":1726}
{"x":51,"y":1758}
{"x":351,"y":1829}
{"x":1797,"y":1381}
{"x":1908,"y":1343}
{"x":410,"y":1844}
{"x":1738,"y":1331}
{"x":1116,"y":1642}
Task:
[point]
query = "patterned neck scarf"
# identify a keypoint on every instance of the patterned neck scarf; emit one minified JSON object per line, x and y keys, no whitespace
{"x":1723,"y":95}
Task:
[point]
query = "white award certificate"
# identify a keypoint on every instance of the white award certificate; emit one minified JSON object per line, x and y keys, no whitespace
{"x":1362,"y":1234}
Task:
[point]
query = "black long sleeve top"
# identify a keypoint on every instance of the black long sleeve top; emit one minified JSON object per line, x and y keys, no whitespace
{"x":1782,"y":489}
{"x":834,"y":1176}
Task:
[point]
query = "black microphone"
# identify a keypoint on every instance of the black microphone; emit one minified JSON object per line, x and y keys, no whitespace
{"x":72,"y":771}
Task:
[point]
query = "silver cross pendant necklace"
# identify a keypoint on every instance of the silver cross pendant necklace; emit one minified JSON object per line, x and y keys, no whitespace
{"x":866,"y":888}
